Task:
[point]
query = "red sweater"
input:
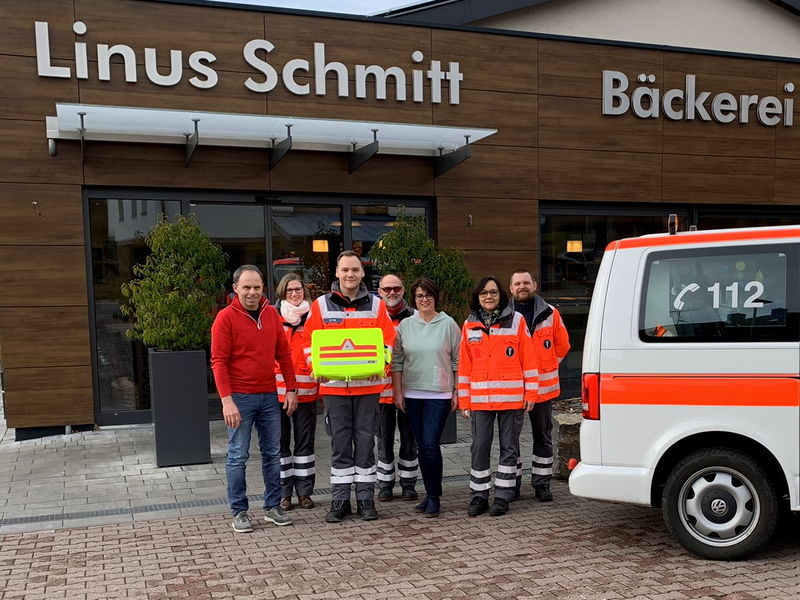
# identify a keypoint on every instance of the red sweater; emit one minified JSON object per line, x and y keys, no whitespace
{"x":243,"y":351}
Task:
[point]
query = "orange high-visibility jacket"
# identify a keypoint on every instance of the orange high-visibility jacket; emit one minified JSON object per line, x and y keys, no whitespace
{"x":334,"y":310}
{"x":551,"y":344}
{"x":387,"y":394}
{"x":497,"y":367}
{"x":307,"y":387}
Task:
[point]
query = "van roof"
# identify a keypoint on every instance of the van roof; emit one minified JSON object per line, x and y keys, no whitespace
{"x":708,"y":236}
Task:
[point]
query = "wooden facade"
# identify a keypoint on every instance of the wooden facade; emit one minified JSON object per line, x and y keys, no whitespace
{"x":543,"y":96}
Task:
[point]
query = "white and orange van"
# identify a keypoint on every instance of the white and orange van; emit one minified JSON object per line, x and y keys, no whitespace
{"x":691,"y":384}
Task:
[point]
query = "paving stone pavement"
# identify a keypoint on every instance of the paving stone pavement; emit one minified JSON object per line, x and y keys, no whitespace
{"x":88,"y":516}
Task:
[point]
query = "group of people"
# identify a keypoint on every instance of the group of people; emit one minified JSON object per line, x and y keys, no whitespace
{"x":501,"y":364}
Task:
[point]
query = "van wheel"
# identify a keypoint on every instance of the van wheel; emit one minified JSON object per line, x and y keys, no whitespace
{"x":720,"y":504}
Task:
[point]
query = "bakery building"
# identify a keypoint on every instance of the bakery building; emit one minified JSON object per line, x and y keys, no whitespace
{"x":293,"y":135}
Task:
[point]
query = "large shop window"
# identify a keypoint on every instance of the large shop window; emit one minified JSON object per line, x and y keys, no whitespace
{"x":714,"y":296}
{"x":118,"y":228}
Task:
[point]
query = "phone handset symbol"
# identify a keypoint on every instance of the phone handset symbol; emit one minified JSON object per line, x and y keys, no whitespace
{"x":678,"y":302}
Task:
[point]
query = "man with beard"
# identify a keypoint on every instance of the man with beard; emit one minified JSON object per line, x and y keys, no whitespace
{"x":391,"y":291}
{"x":551,"y":344}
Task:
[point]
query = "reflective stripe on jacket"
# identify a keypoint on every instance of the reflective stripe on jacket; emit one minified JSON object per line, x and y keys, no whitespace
{"x":497,"y":367}
{"x":333,"y":310}
{"x":307,"y":387}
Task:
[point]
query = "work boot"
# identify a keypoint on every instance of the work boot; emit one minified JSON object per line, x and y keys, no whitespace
{"x":499,"y":507}
{"x":477,"y":506}
{"x":409,"y":493}
{"x":385,"y":494}
{"x":366,"y":508}
{"x":543,"y":493}
{"x":306,"y":502}
{"x":286,"y":503}
{"x":339,"y":510}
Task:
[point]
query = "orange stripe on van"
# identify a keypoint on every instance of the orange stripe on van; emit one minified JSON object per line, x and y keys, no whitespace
{"x":686,"y":390}
{"x":697,"y":237}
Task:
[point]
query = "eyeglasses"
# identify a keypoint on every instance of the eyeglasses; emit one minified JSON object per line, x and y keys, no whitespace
{"x":423,"y":297}
{"x":392,"y":288}
{"x":491,"y":293}
{"x":294,"y":290}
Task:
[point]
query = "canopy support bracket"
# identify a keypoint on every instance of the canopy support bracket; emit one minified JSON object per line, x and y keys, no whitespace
{"x":359,"y":156}
{"x":279,"y":149}
{"x":445,"y":162}
{"x":192,"y":140}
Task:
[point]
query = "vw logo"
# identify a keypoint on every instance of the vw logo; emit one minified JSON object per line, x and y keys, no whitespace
{"x":719,"y":507}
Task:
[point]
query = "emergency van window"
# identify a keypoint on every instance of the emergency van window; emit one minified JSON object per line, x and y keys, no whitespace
{"x":716,"y":295}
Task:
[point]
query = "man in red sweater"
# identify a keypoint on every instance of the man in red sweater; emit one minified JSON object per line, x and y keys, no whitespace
{"x":246,"y":340}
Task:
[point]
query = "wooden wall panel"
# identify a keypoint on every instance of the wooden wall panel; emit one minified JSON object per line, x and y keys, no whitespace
{"x":229,"y":95}
{"x":599,"y":176}
{"x":787,"y":139}
{"x":712,"y":138}
{"x":56,"y":218}
{"x":162,"y":165}
{"x":34,"y":276}
{"x":57,"y":336}
{"x":500,"y":263}
{"x":26,"y":96}
{"x":492,"y":172}
{"x":719,"y":74}
{"x":577,"y":123}
{"x":489,"y":62}
{"x":67,"y":400}
{"x":166,"y":26}
{"x":327,"y":172}
{"x":497,"y":224}
{"x":330,"y":106}
{"x":709,"y":179}
{"x":513,"y":115}
{"x":787,"y":182}
{"x":576,"y":70}
{"x":25,"y":159}
{"x":349,"y":42}
{"x":17,"y":21}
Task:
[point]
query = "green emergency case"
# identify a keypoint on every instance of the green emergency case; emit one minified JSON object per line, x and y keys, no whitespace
{"x":346,"y":354}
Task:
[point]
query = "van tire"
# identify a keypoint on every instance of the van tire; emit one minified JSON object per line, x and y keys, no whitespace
{"x":720,"y":504}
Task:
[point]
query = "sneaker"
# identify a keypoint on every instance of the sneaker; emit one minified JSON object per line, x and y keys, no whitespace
{"x":385,"y":494}
{"x":422,"y":506}
{"x":543,"y":493}
{"x":339,"y":510}
{"x":477,"y":506}
{"x":277,"y":516}
{"x":499,"y":507}
{"x":241,"y":522}
{"x":409,"y":494}
{"x":366,"y":508}
{"x":305,"y":502}
{"x":433,"y":507}
{"x":286,"y":503}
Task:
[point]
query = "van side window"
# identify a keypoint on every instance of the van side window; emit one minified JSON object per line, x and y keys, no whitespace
{"x":721,"y":295}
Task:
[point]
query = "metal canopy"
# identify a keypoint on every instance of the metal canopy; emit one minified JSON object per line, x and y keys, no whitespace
{"x":91,"y":122}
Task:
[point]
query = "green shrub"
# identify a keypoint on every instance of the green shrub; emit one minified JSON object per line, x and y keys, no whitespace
{"x":408,"y":252}
{"x":172,"y":297}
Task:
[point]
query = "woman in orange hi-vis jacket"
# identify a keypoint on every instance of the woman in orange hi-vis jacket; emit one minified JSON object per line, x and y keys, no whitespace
{"x":298,"y":464}
{"x":497,"y":378}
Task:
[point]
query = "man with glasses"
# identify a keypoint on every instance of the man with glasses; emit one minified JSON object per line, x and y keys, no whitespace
{"x":351,"y":406}
{"x":551,"y":344}
{"x":391,"y":291}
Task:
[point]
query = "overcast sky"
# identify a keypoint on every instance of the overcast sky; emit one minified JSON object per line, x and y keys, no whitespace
{"x":358,"y":7}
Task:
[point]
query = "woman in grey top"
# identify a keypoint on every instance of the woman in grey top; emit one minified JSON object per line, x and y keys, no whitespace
{"x":424,"y":369}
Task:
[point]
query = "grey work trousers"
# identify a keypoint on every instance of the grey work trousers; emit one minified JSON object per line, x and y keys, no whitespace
{"x":389,"y":418}
{"x":350,"y":422}
{"x":541,"y":418}
{"x":482,"y":435}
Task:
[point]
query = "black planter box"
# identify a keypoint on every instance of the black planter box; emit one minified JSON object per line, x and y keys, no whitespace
{"x":179,"y":396}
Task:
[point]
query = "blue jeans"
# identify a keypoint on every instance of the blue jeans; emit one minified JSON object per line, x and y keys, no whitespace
{"x":427,"y":418}
{"x":263,"y":411}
